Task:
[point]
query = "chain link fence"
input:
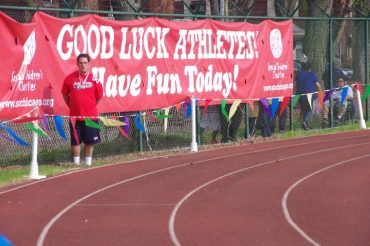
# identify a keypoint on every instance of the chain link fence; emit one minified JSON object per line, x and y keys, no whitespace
{"x":346,"y":59}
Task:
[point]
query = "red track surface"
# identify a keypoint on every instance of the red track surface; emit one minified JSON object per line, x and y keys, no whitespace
{"x":308,"y":191}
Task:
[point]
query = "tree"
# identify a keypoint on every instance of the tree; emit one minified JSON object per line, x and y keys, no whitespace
{"x":358,"y":43}
{"x":161,"y":6}
{"x":315,"y":47}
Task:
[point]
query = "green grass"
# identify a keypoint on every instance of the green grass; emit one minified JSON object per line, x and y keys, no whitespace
{"x":17,"y":174}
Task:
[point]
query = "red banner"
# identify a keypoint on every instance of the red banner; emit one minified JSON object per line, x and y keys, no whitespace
{"x":143,"y":64}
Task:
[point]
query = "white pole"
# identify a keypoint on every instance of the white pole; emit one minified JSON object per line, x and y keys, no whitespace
{"x":359,"y":106}
{"x":194,"y":145}
{"x":34,"y":169}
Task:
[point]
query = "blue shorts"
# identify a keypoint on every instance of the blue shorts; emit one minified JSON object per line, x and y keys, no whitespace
{"x":86,"y":135}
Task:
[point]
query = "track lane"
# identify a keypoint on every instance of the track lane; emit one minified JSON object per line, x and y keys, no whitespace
{"x":59,"y":192}
{"x":136,"y":207}
{"x":342,"y":202}
{"x":264,"y":223}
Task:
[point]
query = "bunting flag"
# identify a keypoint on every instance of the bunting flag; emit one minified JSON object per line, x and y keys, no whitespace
{"x":265,"y":106}
{"x":58,"y":120}
{"x":162,"y":116}
{"x":123,"y":133}
{"x":233,"y":108}
{"x":165,"y":123}
{"x":44,"y":123}
{"x":295,"y":100}
{"x":366,"y":94}
{"x":328,"y":94}
{"x":5,"y":137}
{"x":158,"y":113}
{"x":274,"y":106}
{"x":19,"y":140}
{"x":111,"y":122}
{"x":91,"y":123}
{"x":188,"y":111}
{"x":36,"y":129}
{"x":73,"y":123}
{"x":358,"y":88}
{"x":343,"y":95}
{"x":251,"y":104}
{"x":138,"y":123}
{"x":151,"y":116}
{"x":206,"y":103}
{"x":26,"y":119}
{"x":185,"y":108}
{"x":320,"y":99}
{"x":223,"y":109}
{"x":178,"y":107}
{"x":284,"y":104}
{"x":309,"y":99}
{"x":126,"y":127}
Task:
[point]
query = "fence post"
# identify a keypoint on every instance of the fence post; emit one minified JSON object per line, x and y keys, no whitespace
{"x":359,"y":106}
{"x":34,"y":168}
{"x":140,"y":145}
{"x":197,"y":113}
{"x":194,"y":145}
{"x":246,"y":121}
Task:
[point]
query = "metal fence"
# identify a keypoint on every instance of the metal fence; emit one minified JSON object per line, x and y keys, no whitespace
{"x":345,"y":55}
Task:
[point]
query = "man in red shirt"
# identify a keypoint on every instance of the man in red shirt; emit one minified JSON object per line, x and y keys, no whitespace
{"x":82,"y":92}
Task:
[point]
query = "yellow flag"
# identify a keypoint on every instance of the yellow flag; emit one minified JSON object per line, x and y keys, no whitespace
{"x":234,"y":107}
{"x":309,"y":98}
{"x":111,"y":122}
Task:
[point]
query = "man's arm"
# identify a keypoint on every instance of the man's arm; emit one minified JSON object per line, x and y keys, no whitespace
{"x":349,"y":93}
{"x":318,"y":86}
{"x":66,"y":99}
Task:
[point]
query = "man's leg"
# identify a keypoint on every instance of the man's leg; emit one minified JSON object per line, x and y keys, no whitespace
{"x":90,"y":137}
{"x":214,"y":137}
{"x":224,"y":126}
{"x":76,"y":154}
{"x":75,"y":143}
{"x":89,"y":148}
{"x":235,"y":123}
{"x":282,"y":120}
{"x":341,"y":109}
{"x":325,"y":114}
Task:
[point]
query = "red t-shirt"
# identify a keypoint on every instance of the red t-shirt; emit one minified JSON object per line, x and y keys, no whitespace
{"x":83,"y":91}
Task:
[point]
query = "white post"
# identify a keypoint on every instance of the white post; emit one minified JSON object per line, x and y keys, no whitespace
{"x":194,"y":145}
{"x":359,"y":106}
{"x":34,"y":169}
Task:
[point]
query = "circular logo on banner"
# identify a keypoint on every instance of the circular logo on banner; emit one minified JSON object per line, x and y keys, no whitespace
{"x":276,"y":44}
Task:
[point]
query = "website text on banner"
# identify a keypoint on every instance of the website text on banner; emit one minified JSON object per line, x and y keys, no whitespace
{"x":143,"y":64}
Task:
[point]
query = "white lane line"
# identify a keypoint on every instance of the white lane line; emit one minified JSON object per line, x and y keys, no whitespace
{"x":171,"y":222}
{"x":46,"y":229}
{"x":150,"y":158}
{"x":125,"y":205}
{"x":284,"y":201}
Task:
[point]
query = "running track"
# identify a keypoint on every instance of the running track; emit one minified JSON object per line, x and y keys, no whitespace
{"x":307,"y":191}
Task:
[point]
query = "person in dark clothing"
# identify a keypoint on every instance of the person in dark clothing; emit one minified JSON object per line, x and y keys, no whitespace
{"x":229,"y":129}
{"x":282,"y":120}
{"x":307,"y":82}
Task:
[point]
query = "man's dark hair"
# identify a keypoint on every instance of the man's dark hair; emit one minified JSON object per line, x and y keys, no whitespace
{"x":83,"y":55}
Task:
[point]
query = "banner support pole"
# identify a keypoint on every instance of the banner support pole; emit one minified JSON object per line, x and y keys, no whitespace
{"x":359,"y":106}
{"x":194,"y":145}
{"x":34,"y":169}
